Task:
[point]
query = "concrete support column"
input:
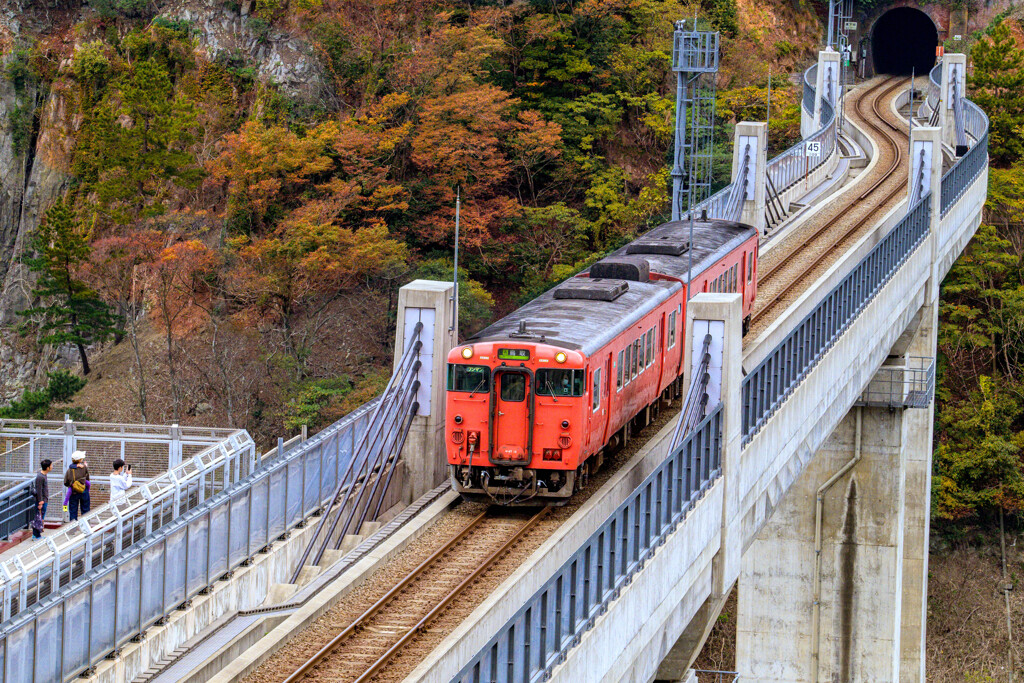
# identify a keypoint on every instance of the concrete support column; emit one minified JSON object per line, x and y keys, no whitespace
{"x":852,"y":631}
{"x":720,"y":315}
{"x":828,"y":82}
{"x":750,"y":156}
{"x":423,"y":456}
{"x":954,"y":79}
{"x":918,"y":425}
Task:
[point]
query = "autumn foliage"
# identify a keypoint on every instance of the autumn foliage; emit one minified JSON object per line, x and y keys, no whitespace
{"x":261,"y":238}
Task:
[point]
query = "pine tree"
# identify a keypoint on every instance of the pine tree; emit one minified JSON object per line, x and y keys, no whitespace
{"x":997,"y":86}
{"x":69,"y":312}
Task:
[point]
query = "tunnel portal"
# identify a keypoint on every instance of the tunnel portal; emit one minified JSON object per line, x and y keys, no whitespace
{"x":904,"y":38}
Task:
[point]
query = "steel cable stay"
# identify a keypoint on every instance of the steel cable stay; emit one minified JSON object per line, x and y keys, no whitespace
{"x":380,"y":457}
{"x":373,"y":427}
{"x":381,"y":435}
{"x":695,"y":408}
{"x":351,"y":477}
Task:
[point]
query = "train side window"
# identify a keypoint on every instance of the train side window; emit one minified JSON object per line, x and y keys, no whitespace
{"x":650,"y":347}
{"x":597,"y":389}
{"x":736,"y":277}
{"x":636,"y":358}
{"x":625,"y":365}
{"x":672,"y":329}
{"x":618,"y":372}
{"x":732,"y":278}
{"x":750,"y":266}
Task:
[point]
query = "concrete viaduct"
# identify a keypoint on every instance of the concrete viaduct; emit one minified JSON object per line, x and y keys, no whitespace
{"x":821,"y":511}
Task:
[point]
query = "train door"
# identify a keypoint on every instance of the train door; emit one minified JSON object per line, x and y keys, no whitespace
{"x":512,"y":419}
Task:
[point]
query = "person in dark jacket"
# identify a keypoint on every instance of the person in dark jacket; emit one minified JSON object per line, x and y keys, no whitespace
{"x":41,"y":491}
{"x":77,"y":480}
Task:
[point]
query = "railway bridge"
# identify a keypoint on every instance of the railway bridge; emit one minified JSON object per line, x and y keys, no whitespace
{"x":806,"y":484}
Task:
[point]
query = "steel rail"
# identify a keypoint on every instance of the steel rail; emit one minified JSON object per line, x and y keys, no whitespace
{"x":321,"y":655}
{"x":897,"y":161}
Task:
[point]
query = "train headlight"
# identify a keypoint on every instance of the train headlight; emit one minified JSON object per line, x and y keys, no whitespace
{"x":467,"y":352}
{"x":560,"y":357}
{"x":458,"y":419}
{"x":565,"y":424}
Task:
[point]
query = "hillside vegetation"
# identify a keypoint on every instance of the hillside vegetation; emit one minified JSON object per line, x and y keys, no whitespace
{"x":233,"y":245}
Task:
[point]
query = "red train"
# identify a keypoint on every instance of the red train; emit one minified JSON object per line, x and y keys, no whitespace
{"x":535,"y":400}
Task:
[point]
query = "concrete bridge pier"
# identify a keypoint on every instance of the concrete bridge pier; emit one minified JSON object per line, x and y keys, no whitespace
{"x":432,"y":304}
{"x":834,"y":587}
{"x":820,"y":587}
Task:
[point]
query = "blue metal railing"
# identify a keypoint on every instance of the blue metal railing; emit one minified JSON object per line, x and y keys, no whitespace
{"x":74,"y":628}
{"x":17,"y":507}
{"x":956,"y":181}
{"x":768,"y":385}
{"x":537,"y":637}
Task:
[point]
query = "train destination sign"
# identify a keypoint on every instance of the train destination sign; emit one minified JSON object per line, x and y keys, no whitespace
{"x":513,"y":354}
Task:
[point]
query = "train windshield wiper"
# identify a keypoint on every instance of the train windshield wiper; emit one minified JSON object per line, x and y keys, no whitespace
{"x":480,"y":384}
{"x":551,"y":389}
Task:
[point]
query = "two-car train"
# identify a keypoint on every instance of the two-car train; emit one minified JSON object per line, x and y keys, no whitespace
{"x":536,"y":400}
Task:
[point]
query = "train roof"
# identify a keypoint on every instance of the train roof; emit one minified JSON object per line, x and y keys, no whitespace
{"x":580,"y":324}
{"x":588,"y":325}
{"x":712,"y":240}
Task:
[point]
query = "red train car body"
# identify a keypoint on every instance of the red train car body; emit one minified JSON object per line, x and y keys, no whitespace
{"x":535,"y":400}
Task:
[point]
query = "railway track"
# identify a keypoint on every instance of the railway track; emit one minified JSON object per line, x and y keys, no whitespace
{"x":364,"y":647}
{"x":802,"y":264}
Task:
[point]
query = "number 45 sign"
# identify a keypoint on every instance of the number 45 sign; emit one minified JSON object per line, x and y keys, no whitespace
{"x":813,"y":149}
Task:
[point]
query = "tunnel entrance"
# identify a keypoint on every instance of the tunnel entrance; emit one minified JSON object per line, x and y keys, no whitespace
{"x":904,"y":38}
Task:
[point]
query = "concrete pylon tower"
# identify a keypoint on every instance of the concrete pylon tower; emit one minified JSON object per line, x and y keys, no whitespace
{"x":828,"y":83}
{"x":953,"y":87}
{"x":750,"y":157}
{"x":423,"y":456}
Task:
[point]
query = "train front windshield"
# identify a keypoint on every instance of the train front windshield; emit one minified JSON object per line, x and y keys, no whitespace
{"x":471,"y":378}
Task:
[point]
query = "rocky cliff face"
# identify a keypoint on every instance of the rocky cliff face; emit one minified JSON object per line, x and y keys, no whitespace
{"x":36,"y":140}
{"x":280,"y":57}
{"x":39,"y":124}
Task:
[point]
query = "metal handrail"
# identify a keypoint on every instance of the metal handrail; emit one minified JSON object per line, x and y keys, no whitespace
{"x":17,"y":507}
{"x":345,"y":484}
{"x":77,"y":548}
{"x":76,"y":626}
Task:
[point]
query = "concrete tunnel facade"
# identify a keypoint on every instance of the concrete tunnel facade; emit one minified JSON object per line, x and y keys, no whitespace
{"x":903,"y":39}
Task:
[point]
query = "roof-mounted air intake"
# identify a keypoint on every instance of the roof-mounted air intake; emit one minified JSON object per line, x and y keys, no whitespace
{"x":667,"y":245}
{"x":591,"y":289}
{"x":634,"y":269}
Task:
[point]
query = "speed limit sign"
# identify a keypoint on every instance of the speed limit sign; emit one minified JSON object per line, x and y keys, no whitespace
{"x":814,"y":149}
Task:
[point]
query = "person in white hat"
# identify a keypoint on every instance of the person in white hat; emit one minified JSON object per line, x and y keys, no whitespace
{"x":77,"y":481}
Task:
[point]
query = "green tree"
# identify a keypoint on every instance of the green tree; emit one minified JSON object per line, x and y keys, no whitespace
{"x":136,"y":142}
{"x":997,"y":86}
{"x":36,"y":404}
{"x":978,"y":467}
{"x":69,"y":312}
